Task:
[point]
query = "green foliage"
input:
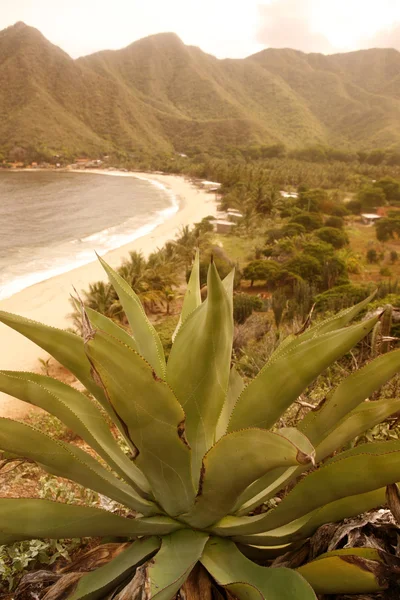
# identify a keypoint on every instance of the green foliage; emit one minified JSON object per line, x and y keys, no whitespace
{"x":293,"y":229}
{"x":222,"y":262}
{"x":267,"y":271}
{"x":18,"y":558}
{"x":390,"y":187}
{"x":319,"y":249}
{"x":165,"y":330}
{"x":372,"y":256}
{"x":310,"y":221}
{"x":385,"y":272}
{"x":339,"y":210}
{"x":305,"y":266}
{"x":354,"y":206}
{"x":394,"y":257}
{"x":371,"y":197}
{"x":340,"y":297}
{"x":243,"y":307}
{"x":331,"y":235}
{"x":335,"y":222}
{"x":312,"y":200}
{"x":388,"y":228}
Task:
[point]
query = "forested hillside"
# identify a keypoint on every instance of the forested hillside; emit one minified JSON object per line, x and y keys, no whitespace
{"x":159,"y":94}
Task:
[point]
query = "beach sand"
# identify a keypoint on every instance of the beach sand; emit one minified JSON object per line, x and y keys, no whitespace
{"x":48,"y":301}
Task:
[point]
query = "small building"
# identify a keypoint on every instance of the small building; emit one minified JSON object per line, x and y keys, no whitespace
{"x":369,"y":218}
{"x":234,"y":215}
{"x":210,"y":186}
{"x":285,"y":194}
{"x":223,"y":226}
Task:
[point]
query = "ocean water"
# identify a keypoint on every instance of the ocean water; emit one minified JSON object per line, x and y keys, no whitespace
{"x":51,"y":223}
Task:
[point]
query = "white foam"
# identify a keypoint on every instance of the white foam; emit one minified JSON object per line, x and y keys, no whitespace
{"x":102,"y":242}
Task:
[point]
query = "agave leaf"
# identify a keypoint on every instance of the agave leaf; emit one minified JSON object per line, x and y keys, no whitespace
{"x":276,"y":478}
{"x":228,"y":283}
{"x":99,"y":321}
{"x":178,"y":555}
{"x":281,"y":381}
{"x":27,"y":519}
{"x":152,"y":416}
{"x":365,"y":416}
{"x":349,"y":571}
{"x":144,"y":334}
{"x":199,"y":365}
{"x":348,"y":395}
{"x":341,"y":319}
{"x":235,"y":388}
{"x":96,"y":584}
{"x":337,"y":321}
{"x":64,"y":346}
{"x":233,"y":463}
{"x":66,"y":460}
{"x":303,"y":527}
{"x":269,"y":485}
{"x":248,"y":581}
{"x":361,"y":419}
{"x":358,"y":471}
{"x":192,"y":299}
{"x":79,"y":414}
{"x":320,"y":425}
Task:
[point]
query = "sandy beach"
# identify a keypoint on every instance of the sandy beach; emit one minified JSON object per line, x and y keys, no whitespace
{"x":48,"y":301}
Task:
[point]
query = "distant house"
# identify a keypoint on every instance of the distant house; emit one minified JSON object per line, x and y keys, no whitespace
{"x":369,"y":218}
{"x":234,"y":215}
{"x":223,"y":226}
{"x":210,"y":186}
{"x":288,"y":194}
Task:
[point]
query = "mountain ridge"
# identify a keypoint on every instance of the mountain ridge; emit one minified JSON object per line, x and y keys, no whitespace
{"x":158,"y":94}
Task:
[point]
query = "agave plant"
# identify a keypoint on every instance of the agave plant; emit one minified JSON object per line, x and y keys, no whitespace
{"x":204,"y":450}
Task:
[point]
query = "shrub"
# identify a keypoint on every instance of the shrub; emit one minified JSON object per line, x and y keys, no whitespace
{"x":312,"y":200}
{"x":372,"y":256}
{"x":320,"y":250}
{"x":334,"y":272}
{"x":293,"y":229}
{"x":333,"y":236}
{"x":390,"y":187}
{"x":371,"y":197}
{"x":310,"y":221}
{"x":354,"y":206}
{"x":262,"y":270}
{"x":307,"y":267}
{"x":340,"y":297}
{"x":394,"y":257}
{"x":385,"y":272}
{"x":388,"y":228}
{"x":340,"y":210}
{"x":244,"y":305}
{"x":336,"y":222}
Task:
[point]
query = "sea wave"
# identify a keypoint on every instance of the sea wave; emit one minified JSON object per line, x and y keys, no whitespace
{"x":79,"y":252}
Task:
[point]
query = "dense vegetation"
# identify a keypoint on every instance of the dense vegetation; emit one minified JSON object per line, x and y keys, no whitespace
{"x":160,"y":95}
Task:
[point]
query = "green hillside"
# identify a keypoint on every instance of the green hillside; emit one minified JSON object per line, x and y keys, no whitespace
{"x":159,"y":94}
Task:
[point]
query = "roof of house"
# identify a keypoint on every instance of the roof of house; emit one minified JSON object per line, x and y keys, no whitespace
{"x":370,"y":216}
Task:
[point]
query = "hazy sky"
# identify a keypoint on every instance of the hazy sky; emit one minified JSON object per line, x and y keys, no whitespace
{"x":225,"y":28}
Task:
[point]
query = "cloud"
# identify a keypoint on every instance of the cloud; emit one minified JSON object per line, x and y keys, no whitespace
{"x":386,"y":38}
{"x":288,"y":24}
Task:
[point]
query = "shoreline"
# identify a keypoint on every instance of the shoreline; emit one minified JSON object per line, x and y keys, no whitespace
{"x":48,"y":300}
